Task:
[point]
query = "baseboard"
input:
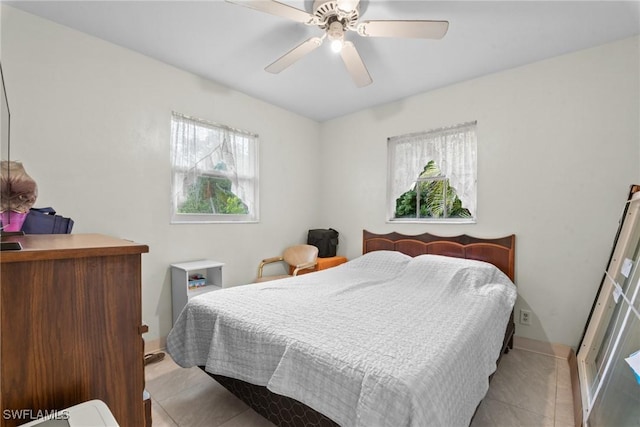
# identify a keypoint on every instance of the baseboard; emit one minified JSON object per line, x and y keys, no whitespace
{"x":575,"y":389}
{"x":154,"y":346}
{"x":560,"y":351}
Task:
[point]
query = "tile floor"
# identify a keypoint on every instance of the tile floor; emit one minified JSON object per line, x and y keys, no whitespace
{"x":529,"y":389}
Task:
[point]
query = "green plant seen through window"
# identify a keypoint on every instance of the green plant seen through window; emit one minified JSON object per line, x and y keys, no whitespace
{"x":434,"y":196}
{"x":212,"y":195}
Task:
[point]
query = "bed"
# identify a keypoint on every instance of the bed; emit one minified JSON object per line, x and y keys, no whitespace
{"x":343,"y":347}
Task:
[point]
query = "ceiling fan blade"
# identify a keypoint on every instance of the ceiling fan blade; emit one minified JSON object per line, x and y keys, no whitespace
{"x":407,"y":29}
{"x":355,"y":66}
{"x":276,"y":8}
{"x":294,"y":54}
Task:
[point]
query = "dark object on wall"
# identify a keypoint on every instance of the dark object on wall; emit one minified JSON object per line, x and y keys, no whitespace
{"x":45,"y":221}
{"x":325,"y":240}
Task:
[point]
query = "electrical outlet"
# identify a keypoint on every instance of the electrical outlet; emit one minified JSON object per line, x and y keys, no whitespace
{"x":525,"y":317}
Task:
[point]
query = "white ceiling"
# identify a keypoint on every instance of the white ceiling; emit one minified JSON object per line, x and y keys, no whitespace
{"x":231,"y":44}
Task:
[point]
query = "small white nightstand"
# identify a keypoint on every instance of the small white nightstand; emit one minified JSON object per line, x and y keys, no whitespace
{"x":181,"y":293}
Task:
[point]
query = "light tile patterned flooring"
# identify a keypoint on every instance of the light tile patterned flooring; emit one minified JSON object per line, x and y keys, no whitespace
{"x":529,"y":389}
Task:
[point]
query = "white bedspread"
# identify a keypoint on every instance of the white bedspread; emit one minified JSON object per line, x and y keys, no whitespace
{"x":383,"y":340}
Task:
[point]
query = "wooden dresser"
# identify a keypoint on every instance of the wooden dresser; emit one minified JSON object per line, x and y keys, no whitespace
{"x":71,"y":326}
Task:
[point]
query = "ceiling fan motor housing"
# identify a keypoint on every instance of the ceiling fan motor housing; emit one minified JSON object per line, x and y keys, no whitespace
{"x":335,"y":30}
{"x":328,"y":12}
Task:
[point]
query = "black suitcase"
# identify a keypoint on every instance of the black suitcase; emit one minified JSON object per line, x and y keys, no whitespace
{"x":325,"y":240}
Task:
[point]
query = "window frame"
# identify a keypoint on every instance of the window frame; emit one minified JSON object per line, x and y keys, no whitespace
{"x":216,"y":218}
{"x":428,"y":136}
{"x":610,"y":314}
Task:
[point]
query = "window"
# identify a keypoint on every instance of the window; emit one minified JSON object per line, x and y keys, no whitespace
{"x":214,"y":172}
{"x":432,"y":176}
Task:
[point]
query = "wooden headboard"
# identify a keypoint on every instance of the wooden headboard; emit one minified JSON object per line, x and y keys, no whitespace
{"x":499,"y":252}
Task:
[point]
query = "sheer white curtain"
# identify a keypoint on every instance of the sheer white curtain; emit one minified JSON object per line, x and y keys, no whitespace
{"x":200,"y":148}
{"x":454,"y":151}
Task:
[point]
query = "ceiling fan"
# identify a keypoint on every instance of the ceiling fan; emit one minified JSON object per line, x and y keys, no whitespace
{"x":335,"y":17}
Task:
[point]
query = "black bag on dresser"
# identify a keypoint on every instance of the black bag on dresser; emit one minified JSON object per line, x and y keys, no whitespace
{"x":325,"y":240}
{"x":45,"y":221}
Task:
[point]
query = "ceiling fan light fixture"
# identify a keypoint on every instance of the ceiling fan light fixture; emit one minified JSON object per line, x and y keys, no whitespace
{"x":335,"y":34}
{"x":336,"y":45}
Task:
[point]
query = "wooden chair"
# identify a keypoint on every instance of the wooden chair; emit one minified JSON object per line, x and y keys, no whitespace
{"x":300,"y":257}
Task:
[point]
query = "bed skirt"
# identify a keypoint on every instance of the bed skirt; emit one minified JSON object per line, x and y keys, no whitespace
{"x":281,"y":410}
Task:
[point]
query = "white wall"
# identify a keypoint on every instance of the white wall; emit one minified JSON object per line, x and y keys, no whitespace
{"x":91,"y":122}
{"x":558,"y":145}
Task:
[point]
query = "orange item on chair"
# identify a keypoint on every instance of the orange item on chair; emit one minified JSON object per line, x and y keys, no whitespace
{"x":322,"y":264}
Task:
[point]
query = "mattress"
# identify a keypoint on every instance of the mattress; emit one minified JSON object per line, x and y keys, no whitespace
{"x":382,"y":340}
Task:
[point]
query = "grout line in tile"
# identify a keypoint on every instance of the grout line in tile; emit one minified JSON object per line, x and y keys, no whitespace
{"x":513,"y":405}
{"x":553,"y":356}
{"x":523,"y":408}
{"x":519,"y":408}
{"x":556,"y":360}
{"x":234,"y":417}
{"x":165,"y":411}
